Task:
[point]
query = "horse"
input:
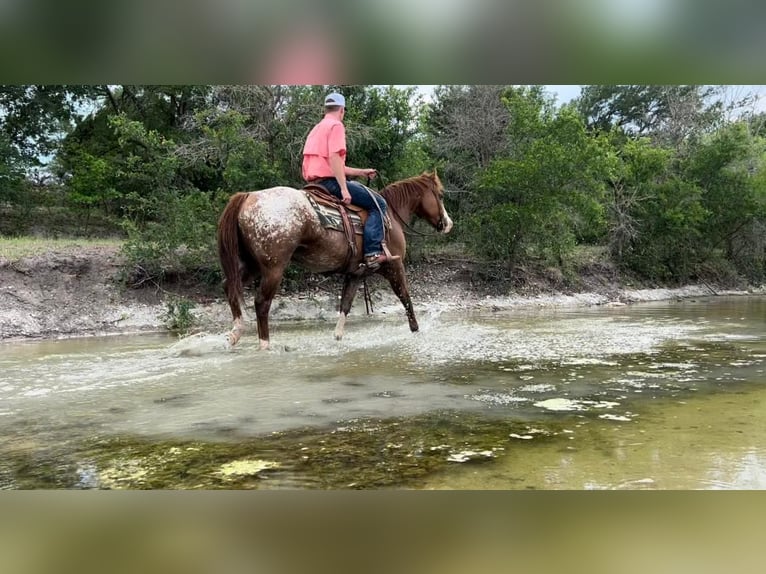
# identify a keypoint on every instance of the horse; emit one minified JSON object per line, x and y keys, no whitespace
{"x":261,"y":232}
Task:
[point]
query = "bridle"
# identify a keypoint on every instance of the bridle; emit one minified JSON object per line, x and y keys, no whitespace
{"x":407,"y":228}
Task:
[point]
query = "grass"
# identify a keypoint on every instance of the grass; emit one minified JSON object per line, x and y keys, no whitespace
{"x":15,"y":248}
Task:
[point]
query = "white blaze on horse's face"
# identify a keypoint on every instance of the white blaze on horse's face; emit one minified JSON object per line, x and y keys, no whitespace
{"x":446,"y":219}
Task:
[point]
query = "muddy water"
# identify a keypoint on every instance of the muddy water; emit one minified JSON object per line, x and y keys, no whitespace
{"x":667,"y":395}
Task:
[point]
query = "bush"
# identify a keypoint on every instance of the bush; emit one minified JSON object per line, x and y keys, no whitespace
{"x":182,"y":240}
{"x":178,"y":317}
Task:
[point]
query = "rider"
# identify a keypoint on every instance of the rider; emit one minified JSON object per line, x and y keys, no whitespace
{"x":324,"y":162}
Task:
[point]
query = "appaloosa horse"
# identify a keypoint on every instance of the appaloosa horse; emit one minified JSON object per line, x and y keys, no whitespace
{"x":261,"y":232}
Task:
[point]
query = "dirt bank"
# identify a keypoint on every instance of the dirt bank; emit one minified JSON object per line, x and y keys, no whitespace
{"x":79,"y":291}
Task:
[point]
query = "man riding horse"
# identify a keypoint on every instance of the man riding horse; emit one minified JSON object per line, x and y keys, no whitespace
{"x":261,"y":232}
{"x":324,"y":163}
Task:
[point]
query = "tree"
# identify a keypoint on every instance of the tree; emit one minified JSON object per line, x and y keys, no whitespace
{"x":667,"y":114}
{"x":729,"y":168}
{"x":545,"y":193}
{"x":11,"y":171}
{"x":160,"y":109}
{"x":382,"y":123}
{"x":34,"y":118}
{"x":466,"y":130}
{"x":33,"y":121}
{"x":655,"y":215}
{"x":636,"y":168}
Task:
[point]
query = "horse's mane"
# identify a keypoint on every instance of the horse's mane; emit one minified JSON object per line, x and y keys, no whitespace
{"x":401,"y":193}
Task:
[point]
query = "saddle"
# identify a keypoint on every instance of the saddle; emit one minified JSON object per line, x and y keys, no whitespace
{"x":334,"y":214}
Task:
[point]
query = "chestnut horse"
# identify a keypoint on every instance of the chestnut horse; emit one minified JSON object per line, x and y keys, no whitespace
{"x":261,"y":232}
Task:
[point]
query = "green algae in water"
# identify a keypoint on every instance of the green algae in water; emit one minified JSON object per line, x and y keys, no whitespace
{"x":361,"y":454}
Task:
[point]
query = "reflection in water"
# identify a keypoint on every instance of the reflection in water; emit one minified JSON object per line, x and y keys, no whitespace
{"x":665,"y":395}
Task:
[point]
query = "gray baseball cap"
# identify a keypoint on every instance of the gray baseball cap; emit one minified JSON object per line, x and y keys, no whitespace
{"x":335,"y":99}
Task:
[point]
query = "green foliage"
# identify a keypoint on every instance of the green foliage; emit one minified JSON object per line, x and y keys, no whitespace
{"x":381,"y":125}
{"x":724,"y":166}
{"x":230,"y":150}
{"x":656,"y":216}
{"x":11,"y":174}
{"x":91,"y":184}
{"x":729,"y":167}
{"x":179,"y":238}
{"x":33,"y":117}
{"x":178,"y":316}
{"x":653,"y":175}
{"x":544,"y":197}
{"x":668,"y":247}
{"x":494,"y":232}
{"x":674,"y":217}
{"x":635,"y":168}
{"x":669,"y":114}
{"x":464,"y":129}
{"x":146,"y":173}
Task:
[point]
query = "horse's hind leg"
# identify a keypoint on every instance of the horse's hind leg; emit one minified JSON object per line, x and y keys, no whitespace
{"x":236,"y":309}
{"x":264,"y":295}
{"x":350,"y":287}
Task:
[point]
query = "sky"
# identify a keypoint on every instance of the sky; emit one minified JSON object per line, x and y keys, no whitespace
{"x":564,"y":93}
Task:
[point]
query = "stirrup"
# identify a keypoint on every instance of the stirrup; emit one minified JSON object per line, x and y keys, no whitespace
{"x":373,"y":262}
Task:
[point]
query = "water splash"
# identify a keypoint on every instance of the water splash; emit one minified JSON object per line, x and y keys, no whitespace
{"x":200,"y":344}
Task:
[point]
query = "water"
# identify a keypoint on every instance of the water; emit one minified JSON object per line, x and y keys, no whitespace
{"x":553,"y":399}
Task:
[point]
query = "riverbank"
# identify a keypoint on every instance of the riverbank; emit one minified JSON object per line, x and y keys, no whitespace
{"x":77,"y":290}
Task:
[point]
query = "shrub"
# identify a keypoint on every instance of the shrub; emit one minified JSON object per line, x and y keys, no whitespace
{"x":182,"y":240}
{"x":178,"y":317}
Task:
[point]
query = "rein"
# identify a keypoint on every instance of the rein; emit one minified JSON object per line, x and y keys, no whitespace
{"x":407,"y":227}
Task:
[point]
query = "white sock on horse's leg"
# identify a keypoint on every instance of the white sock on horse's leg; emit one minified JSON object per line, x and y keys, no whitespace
{"x":236,"y":332}
{"x":339,"y":326}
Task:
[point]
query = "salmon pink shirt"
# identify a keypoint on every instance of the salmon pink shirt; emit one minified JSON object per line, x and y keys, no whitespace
{"x":326,"y":138}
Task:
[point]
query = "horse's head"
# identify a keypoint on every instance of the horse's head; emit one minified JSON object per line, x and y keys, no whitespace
{"x":431,"y":206}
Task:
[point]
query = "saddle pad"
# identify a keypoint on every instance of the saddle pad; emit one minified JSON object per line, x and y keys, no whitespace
{"x":330,"y":217}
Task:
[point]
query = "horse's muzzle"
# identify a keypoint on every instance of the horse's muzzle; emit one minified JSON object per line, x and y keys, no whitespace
{"x":444,"y":225}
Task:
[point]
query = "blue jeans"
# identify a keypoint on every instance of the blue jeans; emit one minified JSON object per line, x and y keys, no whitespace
{"x":373,"y":228}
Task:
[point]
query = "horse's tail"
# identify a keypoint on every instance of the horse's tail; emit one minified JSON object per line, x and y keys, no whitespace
{"x":229,"y":252}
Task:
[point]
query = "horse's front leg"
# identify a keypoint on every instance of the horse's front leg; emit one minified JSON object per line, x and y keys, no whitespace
{"x":350,"y":287}
{"x":398,"y":281}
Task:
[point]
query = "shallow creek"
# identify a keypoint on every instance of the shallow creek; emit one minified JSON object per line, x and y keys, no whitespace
{"x":668,"y":395}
